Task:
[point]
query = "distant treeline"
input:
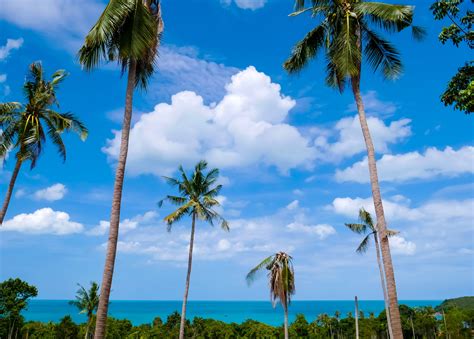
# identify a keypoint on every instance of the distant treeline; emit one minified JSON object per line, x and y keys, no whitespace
{"x":421,"y":322}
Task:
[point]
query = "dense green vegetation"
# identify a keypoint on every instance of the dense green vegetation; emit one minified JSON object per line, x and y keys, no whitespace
{"x":463,"y":303}
{"x":420,"y":321}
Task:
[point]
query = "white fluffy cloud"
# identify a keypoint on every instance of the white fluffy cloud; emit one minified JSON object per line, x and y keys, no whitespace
{"x":126,"y":225}
{"x":346,"y":140}
{"x":43,"y":221}
{"x":414,"y":165}
{"x":246,"y":128}
{"x":246,"y":4}
{"x":322,"y":231}
{"x":51,"y":193}
{"x":287,"y":230}
{"x":400,"y":245}
{"x":11,"y":45}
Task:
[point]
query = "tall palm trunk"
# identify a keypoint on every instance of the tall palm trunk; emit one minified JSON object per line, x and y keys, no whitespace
{"x":8,"y":195}
{"x":188,"y":278}
{"x":115,"y":212}
{"x":379,"y":212}
{"x":384,"y":287}
{"x":286,"y":321}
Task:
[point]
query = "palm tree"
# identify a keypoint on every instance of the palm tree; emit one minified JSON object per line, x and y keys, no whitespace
{"x":87,"y":302}
{"x":347,"y":32}
{"x":26,"y":126}
{"x":367,"y":225}
{"x":281,"y":276}
{"x":128,"y":31}
{"x":197,"y":198}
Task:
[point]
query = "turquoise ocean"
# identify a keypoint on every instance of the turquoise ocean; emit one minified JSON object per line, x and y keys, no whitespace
{"x":141,"y":312}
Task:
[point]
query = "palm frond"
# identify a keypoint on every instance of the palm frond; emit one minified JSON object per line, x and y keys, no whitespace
{"x":306,"y":49}
{"x":364,"y":245}
{"x":357,"y":228}
{"x":380,"y":52}
{"x":366,"y":218}
{"x":262,"y":265}
{"x":390,"y":17}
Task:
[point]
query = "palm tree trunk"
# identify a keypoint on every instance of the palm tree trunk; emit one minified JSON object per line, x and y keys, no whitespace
{"x":286,"y":322}
{"x":188,"y":278}
{"x":357,"y":317}
{"x":8,"y":195}
{"x":379,"y":212}
{"x":115,"y":212}
{"x":384,"y":287}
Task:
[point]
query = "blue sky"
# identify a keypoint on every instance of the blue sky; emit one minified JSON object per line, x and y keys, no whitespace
{"x":290,"y":152}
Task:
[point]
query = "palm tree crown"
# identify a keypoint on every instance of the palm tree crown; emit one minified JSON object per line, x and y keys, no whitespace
{"x":346,"y":32}
{"x":197,"y":196}
{"x":127,"y":31}
{"x":281,"y":277}
{"x":87,"y":301}
{"x":25,"y":126}
{"x":366,"y":225}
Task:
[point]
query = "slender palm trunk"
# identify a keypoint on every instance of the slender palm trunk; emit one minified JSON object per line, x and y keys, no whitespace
{"x":379,"y":212}
{"x":286,"y":322}
{"x":357,"y":317}
{"x":384,"y":287}
{"x":8,"y":195}
{"x":188,"y":278}
{"x":106,"y":285}
{"x":412,"y":328}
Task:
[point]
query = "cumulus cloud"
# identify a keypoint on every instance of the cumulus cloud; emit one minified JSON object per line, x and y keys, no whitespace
{"x":51,"y":193}
{"x":321,"y":230}
{"x":246,"y":128}
{"x":125,"y":225}
{"x":400,"y":245}
{"x":287,"y":229}
{"x":246,"y":4}
{"x":431,"y":164}
{"x":12,"y":44}
{"x":43,"y":221}
{"x":346,"y":139}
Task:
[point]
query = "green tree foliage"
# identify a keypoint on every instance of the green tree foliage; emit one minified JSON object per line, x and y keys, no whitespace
{"x":460,"y":89}
{"x":87,"y":302}
{"x":25,"y":127}
{"x":14,"y":296}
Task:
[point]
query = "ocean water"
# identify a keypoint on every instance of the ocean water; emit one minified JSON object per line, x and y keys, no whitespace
{"x":141,"y":312}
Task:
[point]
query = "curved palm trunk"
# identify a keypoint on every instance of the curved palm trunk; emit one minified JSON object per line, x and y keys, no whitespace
{"x":8,"y":195}
{"x":115,"y":212}
{"x":188,"y":278}
{"x":286,"y":322}
{"x":384,"y":287}
{"x":382,"y":228}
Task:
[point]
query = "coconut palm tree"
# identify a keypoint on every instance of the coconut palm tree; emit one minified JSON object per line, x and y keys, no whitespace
{"x":128,"y":32}
{"x":365,"y":225}
{"x":87,"y":302}
{"x":281,"y":276}
{"x":197,"y":198}
{"x":346,"y":31}
{"x":27,"y":126}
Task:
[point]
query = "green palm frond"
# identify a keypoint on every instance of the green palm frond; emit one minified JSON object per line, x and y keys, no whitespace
{"x":379,"y":52}
{"x":364,"y":245}
{"x":391,"y":233}
{"x":392,"y":18}
{"x":264,"y":264}
{"x":366,"y":219}
{"x":357,"y":228}
{"x":306,"y":49}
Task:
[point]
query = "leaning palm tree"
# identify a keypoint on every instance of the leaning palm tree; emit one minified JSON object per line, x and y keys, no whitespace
{"x":197,"y":198}
{"x":25,"y":127}
{"x":347,"y":32}
{"x":87,"y":302}
{"x":128,"y":32}
{"x":367,"y":225}
{"x":281,"y":276}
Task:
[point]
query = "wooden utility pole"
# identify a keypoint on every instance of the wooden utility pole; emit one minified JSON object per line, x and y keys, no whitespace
{"x":357,"y":317}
